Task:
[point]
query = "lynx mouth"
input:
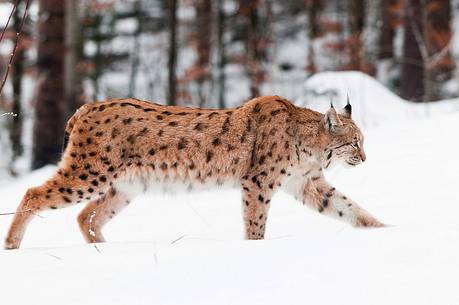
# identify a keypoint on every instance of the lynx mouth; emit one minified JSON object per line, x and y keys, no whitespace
{"x":353,"y":163}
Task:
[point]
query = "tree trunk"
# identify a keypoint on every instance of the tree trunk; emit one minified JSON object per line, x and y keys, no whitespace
{"x":16,"y":79}
{"x":50,"y":108}
{"x":387,"y":29}
{"x":172,"y":94}
{"x":438,"y":36}
{"x":72,"y":78}
{"x":204,"y":33}
{"x":412,"y":67}
{"x":313,"y":8}
{"x":356,"y":21}
{"x":221,"y":55}
{"x":135,"y":54}
{"x":254,"y":50}
{"x":371,"y":35}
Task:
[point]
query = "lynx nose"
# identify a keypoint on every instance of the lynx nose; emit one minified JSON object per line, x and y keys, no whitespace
{"x":363,"y":157}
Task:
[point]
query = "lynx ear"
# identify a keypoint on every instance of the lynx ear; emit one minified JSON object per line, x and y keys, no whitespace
{"x":332,"y":121}
{"x":347,"y":110}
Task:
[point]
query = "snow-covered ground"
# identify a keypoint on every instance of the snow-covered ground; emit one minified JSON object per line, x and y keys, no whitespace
{"x":188,"y":249}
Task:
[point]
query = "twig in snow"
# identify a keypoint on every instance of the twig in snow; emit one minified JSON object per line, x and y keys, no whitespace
{"x":176,"y":240}
{"x":199,"y":215}
{"x":6,"y":214}
{"x":95,"y":246}
{"x":54,"y":256}
{"x":19,"y":212}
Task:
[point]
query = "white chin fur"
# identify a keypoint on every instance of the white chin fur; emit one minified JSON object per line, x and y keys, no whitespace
{"x":339,"y":164}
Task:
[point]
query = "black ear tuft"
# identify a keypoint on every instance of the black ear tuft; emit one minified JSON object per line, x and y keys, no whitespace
{"x":347,"y":111}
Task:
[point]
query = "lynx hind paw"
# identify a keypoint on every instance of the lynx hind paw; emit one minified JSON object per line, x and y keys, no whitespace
{"x":11,"y":244}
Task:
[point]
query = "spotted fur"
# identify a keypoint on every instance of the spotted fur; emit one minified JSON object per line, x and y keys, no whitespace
{"x":118,"y":149}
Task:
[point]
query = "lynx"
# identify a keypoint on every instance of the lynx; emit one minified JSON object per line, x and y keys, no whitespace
{"x":120,"y":148}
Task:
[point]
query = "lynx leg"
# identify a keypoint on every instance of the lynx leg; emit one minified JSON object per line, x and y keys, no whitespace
{"x":325,"y":199}
{"x":24,"y":214}
{"x":255,"y":216}
{"x":256,"y":197}
{"x":100,"y":211}
{"x":58,"y":192}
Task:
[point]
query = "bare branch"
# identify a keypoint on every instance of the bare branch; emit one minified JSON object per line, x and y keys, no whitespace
{"x":18,"y":36}
{"x":435,"y":58}
{"x":421,"y":44}
{"x":9,"y":18}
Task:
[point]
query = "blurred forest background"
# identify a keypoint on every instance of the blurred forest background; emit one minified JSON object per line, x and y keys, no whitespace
{"x":207,"y":54}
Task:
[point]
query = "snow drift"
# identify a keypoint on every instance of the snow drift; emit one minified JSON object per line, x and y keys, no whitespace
{"x":373,"y":104}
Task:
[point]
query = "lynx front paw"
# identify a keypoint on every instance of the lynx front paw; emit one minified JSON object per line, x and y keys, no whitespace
{"x":367,"y":221}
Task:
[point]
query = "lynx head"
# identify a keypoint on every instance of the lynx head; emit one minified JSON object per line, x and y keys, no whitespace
{"x":344,"y":138}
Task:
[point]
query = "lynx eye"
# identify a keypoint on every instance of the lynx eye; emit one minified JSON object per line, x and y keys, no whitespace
{"x":355,"y":145}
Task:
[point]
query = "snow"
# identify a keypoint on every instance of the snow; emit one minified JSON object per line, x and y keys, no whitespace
{"x":373,"y":104}
{"x":188,"y":249}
